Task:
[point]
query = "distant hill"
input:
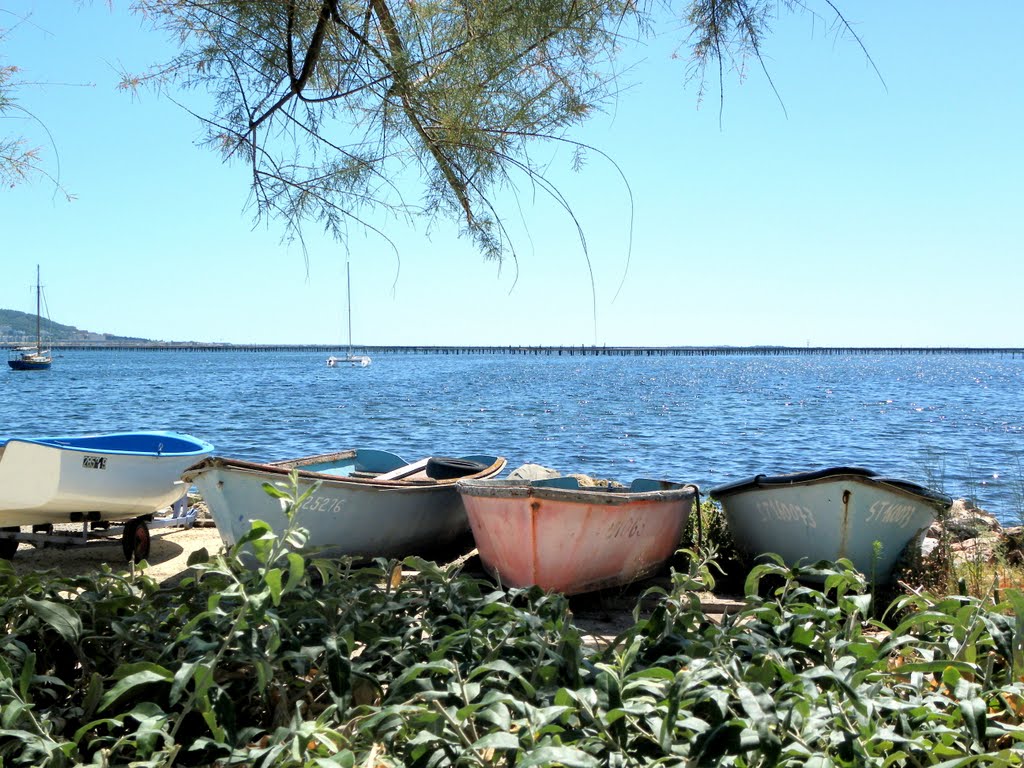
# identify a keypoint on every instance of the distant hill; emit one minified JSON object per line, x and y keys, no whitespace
{"x":19,"y":327}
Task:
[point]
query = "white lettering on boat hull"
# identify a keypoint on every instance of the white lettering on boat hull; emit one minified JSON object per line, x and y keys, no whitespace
{"x":323,"y":504}
{"x":890,"y":513}
{"x":774,"y":511}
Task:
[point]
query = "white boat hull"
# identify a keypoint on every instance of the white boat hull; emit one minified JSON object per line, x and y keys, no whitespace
{"x":356,"y":517}
{"x":352,"y":361}
{"x":43,"y":483}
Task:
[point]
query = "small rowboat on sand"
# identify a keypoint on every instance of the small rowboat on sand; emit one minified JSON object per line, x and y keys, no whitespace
{"x":370,"y":503}
{"x":93,"y":479}
{"x":565,"y":538}
{"x":839,"y":512}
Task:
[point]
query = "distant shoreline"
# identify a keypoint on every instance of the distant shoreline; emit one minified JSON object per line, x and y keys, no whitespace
{"x":518,"y":349}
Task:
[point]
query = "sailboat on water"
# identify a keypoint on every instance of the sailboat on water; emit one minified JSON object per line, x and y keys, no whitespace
{"x":360,"y":361}
{"x":32,"y":358}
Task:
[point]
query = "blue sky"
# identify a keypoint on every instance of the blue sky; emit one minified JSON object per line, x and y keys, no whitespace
{"x":862,"y":214}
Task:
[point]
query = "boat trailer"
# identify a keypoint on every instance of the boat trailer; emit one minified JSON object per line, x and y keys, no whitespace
{"x":134,"y":533}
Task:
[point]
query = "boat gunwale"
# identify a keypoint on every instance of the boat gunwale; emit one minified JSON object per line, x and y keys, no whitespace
{"x":519,"y":489}
{"x":201,"y":447}
{"x":277,"y":468}
{"x":318,"y":459}
{"x":860,"y":475}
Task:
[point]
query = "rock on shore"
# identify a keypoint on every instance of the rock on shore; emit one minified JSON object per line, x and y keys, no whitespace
{"x":530,"y":472}
{"x":975,"y":535}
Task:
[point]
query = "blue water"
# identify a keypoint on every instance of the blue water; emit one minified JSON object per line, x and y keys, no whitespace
{"x":952,"y":422}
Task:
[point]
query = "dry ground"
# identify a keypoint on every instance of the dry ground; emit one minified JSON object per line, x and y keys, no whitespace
{"x":168,"y":558}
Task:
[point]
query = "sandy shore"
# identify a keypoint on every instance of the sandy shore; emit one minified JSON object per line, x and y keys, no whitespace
{"x":170,"y":549}
{"x":600,"y":616}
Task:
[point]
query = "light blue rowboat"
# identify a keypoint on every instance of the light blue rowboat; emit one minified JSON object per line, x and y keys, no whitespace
{"x":833,"y":513}
{"x":369,"y":503}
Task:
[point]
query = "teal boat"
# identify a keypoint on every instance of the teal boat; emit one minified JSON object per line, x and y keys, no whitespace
{"x":828,"y":514}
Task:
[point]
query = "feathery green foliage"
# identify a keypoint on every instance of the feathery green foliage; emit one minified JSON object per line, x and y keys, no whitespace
{"x":337,"y":106}
{"x":341,"y":108}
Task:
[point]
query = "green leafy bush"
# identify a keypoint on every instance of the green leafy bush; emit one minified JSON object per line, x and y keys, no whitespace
{"x":265,"y":658}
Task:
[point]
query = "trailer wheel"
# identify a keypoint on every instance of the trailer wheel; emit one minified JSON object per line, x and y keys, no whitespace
{"x":9,"y":546}
{"x":135,"y":541}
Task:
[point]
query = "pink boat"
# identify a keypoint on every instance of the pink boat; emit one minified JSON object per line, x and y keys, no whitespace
{"x":572,"y":539}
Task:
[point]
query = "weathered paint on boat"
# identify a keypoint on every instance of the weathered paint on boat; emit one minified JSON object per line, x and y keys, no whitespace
{"x":564,"y":538}
{"x":113,"y":476}
{"x":833,"y":513}
{"x":369,"y":503}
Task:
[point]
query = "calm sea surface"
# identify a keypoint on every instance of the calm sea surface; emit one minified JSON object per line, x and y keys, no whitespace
{"x":953,"y":422}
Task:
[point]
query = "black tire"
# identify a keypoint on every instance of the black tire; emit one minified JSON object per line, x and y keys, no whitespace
{"x":9,"y":546}
{"x":447,"y":468}
{"x":135,"y":541}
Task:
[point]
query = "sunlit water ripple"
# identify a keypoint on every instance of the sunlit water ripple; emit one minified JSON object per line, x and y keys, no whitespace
{"x":954,"y":422}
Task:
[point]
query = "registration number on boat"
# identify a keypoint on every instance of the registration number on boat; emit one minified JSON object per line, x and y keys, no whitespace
{"x":323,"y":504}
{"x":625,"y":529}
{"x":890,"y":513}
{"x":94,"y":462}
{"x":774,"y":511}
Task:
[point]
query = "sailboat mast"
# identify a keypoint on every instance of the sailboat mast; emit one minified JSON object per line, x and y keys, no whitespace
{"x":39,"y":335}
{"x":348,"y":303}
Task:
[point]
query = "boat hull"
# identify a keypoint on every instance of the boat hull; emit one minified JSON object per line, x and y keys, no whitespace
{"x":829,"y":514}
{"x":572,"y":540}
{"x":115,"y":476}
{"x":352,"y":513}
{"x":23,"y":365}
{"x":352,"y":361}
{"x":33,"y":362}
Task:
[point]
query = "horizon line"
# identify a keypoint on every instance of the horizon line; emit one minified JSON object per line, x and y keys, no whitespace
{"x":570,"y":349}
